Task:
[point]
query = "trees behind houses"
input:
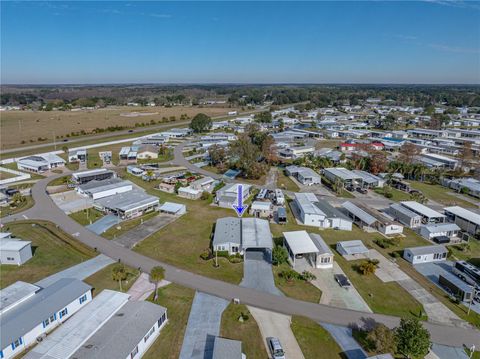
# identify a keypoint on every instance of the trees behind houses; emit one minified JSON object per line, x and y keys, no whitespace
{"x":201,"y":123}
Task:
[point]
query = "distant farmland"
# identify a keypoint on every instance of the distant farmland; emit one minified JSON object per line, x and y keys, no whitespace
{"x":29,"y":126}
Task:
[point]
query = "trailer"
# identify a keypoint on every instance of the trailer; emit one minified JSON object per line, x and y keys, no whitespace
{"x":456,"y":286}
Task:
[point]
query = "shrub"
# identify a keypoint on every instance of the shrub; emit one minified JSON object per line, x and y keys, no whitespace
{"x":368,"y":267}
{"x":289,"y":275}
{"x":308,"y":276}
{"x":206,"y":255}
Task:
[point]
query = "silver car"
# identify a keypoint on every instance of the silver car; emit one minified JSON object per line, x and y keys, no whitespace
{"x":275,"y":348}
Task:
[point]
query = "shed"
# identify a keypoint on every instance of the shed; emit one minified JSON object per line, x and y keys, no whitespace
{"x":351,"y":248}
{"x":15,"y":251}
{"x":173,"y":208}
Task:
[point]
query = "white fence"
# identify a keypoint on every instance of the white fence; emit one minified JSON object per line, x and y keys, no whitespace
{"x":19,"y":176}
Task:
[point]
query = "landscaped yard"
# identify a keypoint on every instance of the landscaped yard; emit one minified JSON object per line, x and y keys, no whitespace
{"x":9,"y":210}
{"x":103,"y":279}
{"x":178,"y":300}
{"x":247,"y":331}
{"x":440,"y":194}
{"x":315,"y":342}
{"x":53,"y":250}
{"x":296,"y":288}
{"x":86,"y":216}
{"x":284,"y":182}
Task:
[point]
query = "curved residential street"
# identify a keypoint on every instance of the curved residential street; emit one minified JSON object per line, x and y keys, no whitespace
{"x":45,"y":209}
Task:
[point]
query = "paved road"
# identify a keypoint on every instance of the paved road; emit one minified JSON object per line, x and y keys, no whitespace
{"x":343,"y":336}
{"x":45,"y":209}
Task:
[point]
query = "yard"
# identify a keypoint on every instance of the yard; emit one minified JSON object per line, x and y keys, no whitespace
{"x":296,"y":288}
{"x":178,"y":300}
{"x":397,"y":195}
{"x":103,"y":279}
{"x":9,"y":210}
{"x":247,"y":331}
{"x":440,"y":194}
{"x":86,"y":216}
{"x":126,"y":226}
{"x":53,"y":251}
{"x":284,"y":182}
{"x":315,"y":342}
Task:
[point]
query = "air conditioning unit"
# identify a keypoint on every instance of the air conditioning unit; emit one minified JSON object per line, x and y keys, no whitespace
{"x":41,"y":337}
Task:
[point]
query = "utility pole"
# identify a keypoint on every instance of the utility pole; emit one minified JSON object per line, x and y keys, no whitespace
{"x":474,"y":292}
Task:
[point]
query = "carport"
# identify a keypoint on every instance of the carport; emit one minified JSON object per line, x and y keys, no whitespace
{"x":300,"y":245}
{"x":256,"y":238}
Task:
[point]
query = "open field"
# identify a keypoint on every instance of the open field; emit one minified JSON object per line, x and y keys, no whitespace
{"x":315,"y":342}
{"x":53,"y":251}
{"x":247,"y":332}
{"x":440,"y":194}
{"x":178,"y":300}
{"x":103,"y":279}
{"x":29,"y":126}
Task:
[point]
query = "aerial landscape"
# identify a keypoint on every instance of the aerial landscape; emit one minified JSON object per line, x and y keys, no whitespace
{"x":231,"y":180}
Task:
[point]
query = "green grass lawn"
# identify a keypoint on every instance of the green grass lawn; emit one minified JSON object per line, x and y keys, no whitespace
{"x":440,"y":194}
{"x":247,"y":331}
{"x":297,"y":288}
{"x":59,"y":181}
{"x":284,"y":182}
{"x":472,"y":254}
{"x":86,"y":216}
{"x":103,"y":279}
{"x":53,"y":250}
{"x":9,"y":210}
{"x":178,"y":300}
{"x":165,"y":157}
{"x":397,"y":195}
{"x":126,"y":226}
{"x":314,"y":341}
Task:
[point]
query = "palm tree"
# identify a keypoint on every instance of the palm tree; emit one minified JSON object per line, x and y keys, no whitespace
{"x":157,"y":274}
{"x":119,"y":274}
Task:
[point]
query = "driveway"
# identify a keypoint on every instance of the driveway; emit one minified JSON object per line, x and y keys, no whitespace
{"x":143,"y":288}
{"x":71,"y":201}
{"x":277,"y":325}
{"x":445,"y":352}
{"x":203,"y":326}
{"x":257,"y":273}
{"x":387,"y":271}
{"x":343,"y":337}
{"x":104,"y":223}
{"x":134,"y":236}
{"x":79,"y":271}
{"x":332,"y":293}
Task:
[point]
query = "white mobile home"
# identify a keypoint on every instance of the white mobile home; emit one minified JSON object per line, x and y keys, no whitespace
{"x":425,"y":254}
{"x":371,"y":218}
{"x":404,"y":215}
{"x":41,"y":163}
{"x":440,"y":233}
{"x":310,"y":247}
{"x":428,"y":215}
{"x":14,"y":251}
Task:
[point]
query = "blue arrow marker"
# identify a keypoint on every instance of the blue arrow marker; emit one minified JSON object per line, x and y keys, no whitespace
{"x":239,"y":207}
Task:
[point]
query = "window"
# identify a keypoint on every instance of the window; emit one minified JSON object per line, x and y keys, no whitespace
{"x":134,"y":352}
{"x":63,"y":313}
{"x":161,"y":320}
{"x":17,"y":343}
{"x":10,"y":259}
{"x":83,"y":299}
{"x":149,"y":334}
{"x":47,"y":321}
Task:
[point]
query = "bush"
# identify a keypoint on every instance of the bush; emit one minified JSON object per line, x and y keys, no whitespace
{"x":368,"y":267}
{"x":387,"y":242}
{"x":289,"y":275}
{"x":308,"y":276}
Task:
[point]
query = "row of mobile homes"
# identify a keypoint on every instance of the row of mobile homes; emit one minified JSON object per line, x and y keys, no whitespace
{"x":371,"y":218}
{"x":467,"y":220}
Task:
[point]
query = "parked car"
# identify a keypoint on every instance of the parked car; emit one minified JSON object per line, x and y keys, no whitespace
{"x":275,"y":348}
{"x":362,"y":190}
{"x":350,"y":188}
{"x":342,"y":280}
{"x":130,"y":131}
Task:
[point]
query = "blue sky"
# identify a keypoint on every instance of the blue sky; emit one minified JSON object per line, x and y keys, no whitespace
{"x":240,"y":42}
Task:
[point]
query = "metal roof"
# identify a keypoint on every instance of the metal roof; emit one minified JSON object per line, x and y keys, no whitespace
{"x":367,"y":177}
{"x":360,"y":213}
{"x":306,"y":202}
{"x":300,"y":242}
{"x":323,"y":247}
{"x":128,"y":200}
{"x":330,"y":211}
{"x":442,"y":227}
{"x":226,"y":349}
{"x":422,"y":209}
{"x":227,"y":230}
{"x":398,"y":207}
{"x":256,"y":233}
{"x":353,"y":247}
{"x":172,"y":207}
{"x":91,"y":173}
{"x":464,"y":214}
{"x":96,"y":186}
{"x":68,"y":338}
{"x":24,"y":317}
{"x":342,"y":173}
{"x":119,"y":336}
{"x":12,"y":244}
{"x":15,"y":294}
{"x":417,"y":251}
{"x":261,"y":205}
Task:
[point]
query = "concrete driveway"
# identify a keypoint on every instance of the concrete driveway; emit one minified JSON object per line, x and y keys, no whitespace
{"x":277,"y":325}
{"x":387,"y":271}
{"x":134,"y":236}
{"x":257,"y":273}
{"x":79,"y":271}
{"x":203,"y":326}
{"x":142,"y":288}
{"x":71,"y":201}
{"x":332,"y":293}
{"x":343,"y":337}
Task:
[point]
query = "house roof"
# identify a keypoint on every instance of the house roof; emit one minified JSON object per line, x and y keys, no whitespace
{"x":464,"y":213}
{"x":121,"y":333}
{"x":421,"y":209}
{"x":227,"y":230}
{"x":128,"y":200}
{"x":27,"y":315}
{"x":307,"y":203}
{"x":417,"y":251}
{"x":300,"y":242}
{"x":330,"y":211}
{"x":261,"y":205}
{"x":91,"y":173}
{"x":226,"y":349}
{"x":342,"y":173}
{"x":96,"y":186}
{"x":360,"y":213}
{"x":256,"y":233}
{"x":16,"y":293}
{"x":367,"y":177}
{"x":323,"y":247}
{"x":398,"y":207}
{"x":12,"y":244}
{"x":442,"y":227}
{"x":68,"y":338}
{"x":353,"y":247}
